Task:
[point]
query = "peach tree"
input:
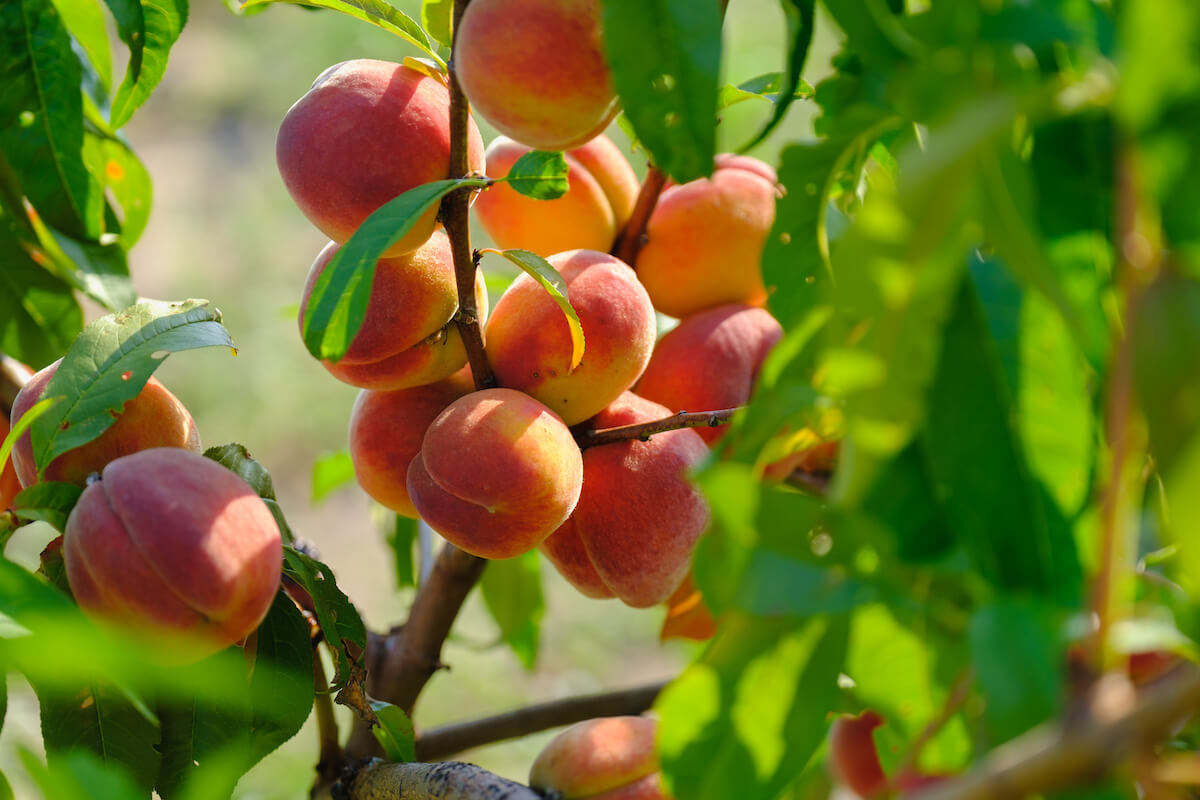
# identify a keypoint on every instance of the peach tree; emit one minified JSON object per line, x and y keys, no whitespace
{"x":904,"y":425}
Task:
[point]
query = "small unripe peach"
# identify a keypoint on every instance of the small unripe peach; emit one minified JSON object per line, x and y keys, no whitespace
{"x":168,"y":540}
{"x":497,"y":472}
{"x":611,"y":758}
{"x":536,"y":70}
{"x":710,"y":361}
{"x":153,"y":418}
{"x":704,"y":240}
{"x":598,"y":201}
{"x":408,"y":337}
{"x":529,"y":343}
{"x":366,"y":132}
{"x":638,"y":518}
{"x":386,"y":429}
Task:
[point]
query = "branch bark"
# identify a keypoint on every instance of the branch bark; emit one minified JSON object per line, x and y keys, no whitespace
{"x":632,"y":236}
{"x":448,"y":740}
{"x":1055,"y":757}
{"x":453,"y":780}
{"x":644,"y":430}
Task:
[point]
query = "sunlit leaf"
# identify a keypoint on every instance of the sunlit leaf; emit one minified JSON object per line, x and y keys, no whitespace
{"x":548,"y":277}
{"x":330,"y":472}
{"x":539,"y":174}
{"x":799,"y":14}
{"x":437,"y":16}
{"x":161,"y":23}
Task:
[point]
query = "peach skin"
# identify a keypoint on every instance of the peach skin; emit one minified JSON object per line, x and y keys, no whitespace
{"x":153,"y":418}
{"x":168,"y":540}
{"x":710,"y":361}
{"x":536,"y":70}
{"x":638,"y":517}
{"x":610,"y":758}
{"x":529,"y":343}
{"x":496,"y":474}
{"x":366,"y":132}
{"x":407,"y":337}
{"x":704,"y":240}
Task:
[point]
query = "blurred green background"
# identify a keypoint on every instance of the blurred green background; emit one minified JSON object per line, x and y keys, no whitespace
{"x":224,"y":228}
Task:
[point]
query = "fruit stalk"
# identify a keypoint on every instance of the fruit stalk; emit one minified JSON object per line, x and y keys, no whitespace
{"x":629,"y":240}
{"x":644,"y":430}
{"x":447,"y":740}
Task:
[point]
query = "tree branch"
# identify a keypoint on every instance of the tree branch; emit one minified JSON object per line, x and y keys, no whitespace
{"x":631,"y":238}
{"x":438,"y":743}
{"x":644,"y":430}
{"x":453,"y":780}
{"x":1054,"y":757}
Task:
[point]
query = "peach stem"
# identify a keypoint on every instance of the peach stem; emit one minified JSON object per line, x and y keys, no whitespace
{"x":644,"y":430}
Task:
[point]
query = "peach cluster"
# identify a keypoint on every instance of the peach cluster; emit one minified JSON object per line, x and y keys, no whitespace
{"x":161,"y":539}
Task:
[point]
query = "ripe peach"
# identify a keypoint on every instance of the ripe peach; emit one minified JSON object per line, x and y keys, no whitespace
{"x":598,"y":201}
{"x":366,"y":132}
{"x":529,"y":343}
{"x":408,"y":337}
{"x":497,"y":472}
{"x":710,"y":361}
{"x":154,"y":418}
{"x":386,"y":429}
{"x":704,"y":240}
{"x":611,"y":758}
{"x":171,"y":541}
{"x":536,"y":70}
{"x":638,"y":517}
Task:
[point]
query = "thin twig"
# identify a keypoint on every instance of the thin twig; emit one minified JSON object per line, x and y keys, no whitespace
{"x":632,"y":236}
{"x":959,"y":693}
{"x":331,"y":760}
{"x":1054,"y":757}
{"x":644,"y":430}
{"x":448,"y":740}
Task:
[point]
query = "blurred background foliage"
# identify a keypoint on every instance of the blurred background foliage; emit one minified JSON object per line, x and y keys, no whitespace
{"x":223,"y":228}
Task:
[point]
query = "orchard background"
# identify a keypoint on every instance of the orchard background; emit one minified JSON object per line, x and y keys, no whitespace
{"x":1048,"y":167}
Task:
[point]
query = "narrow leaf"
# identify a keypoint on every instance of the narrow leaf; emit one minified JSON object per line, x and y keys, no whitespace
{"x":539,"y":174}
{"x":768,"y":86}
{"x":394,"y":733}
{"x":85,"y":22}
{"x":162,"y":22}
{"x":799,"y":15}
{"x":512,"y":592}
{"x":110,"y":362}
{"x":401,"y":540}
{"x":339,"y":620}
{"x":665,"y":57}
{"x":541,"y":271}
{"x":339,"y":298}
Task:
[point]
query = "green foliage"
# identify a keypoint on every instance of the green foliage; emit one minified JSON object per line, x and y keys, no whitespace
{"x":402,"y":540}
{"x":549,"y":278}
{"x":512,"y":592}
{"x":330,"y":472}
{"x":340,"y":623}
{"x":394,"y":732}
{"x":539,"y":174}
{"x":799,"y":15}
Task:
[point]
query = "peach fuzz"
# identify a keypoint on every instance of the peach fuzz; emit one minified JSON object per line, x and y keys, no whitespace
{"x":536,"y":69}
{"x":638,"y":517}
{"x":497,"y":472}
{"x":529,"y":343}
{"x":407,"y":337}
{"x":704,"y":240}
{"x":386,"y":429}
{"x":153,"y":418}
{"x":611,"y":758}
{"x":366,"y":132}
{"x":710,"y":361}
{"x":170,"y":541}
{"x":585,"y":217}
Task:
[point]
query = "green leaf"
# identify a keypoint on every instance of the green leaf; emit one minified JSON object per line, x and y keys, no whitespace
{"x":768,"y":86}
{"x":512,"y":592}
{"x":49,"y":501}
{"x":539,"y":174}
{"x":161,"y":21}
{"x":339,"y":620}
{"x":394,"y":733}
{"x":545,"y":274}
{"x":41,"y":118}
{"x":99,"y":271}
{"x":401,"y":540}
{"x":1017,"y":656}
{"x":1159,"y":42}
{"x":437,"y":17}
{"x":129,"y":181}
{"x":85,"y":22}
{"x":131,"y":29}
{"x":799,"y":15}
{"x":744,"y":720}
{"x":80,"y":776}
{"x":281,"y":686}
{"x":331,"y":471}
{"x":39,"y":315}
{"x":339,"y":298}
{"x":665,"y":57}
{"x":23,"y":424}
{"x":376,"y":12}
{"x":236,"y":458}
{"x":110,"y":362}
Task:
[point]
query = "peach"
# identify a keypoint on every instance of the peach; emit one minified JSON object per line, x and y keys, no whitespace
{"x":611,"y":758}
{"x":153,"y":418}
{"x":536,"y":70}
{"x":529,"y":343}
{"x":408,"y":337}
{"x":598,"y":201}
{"x":710,"y":361}
{"x":366,"y":132}
{"x":10,"y":485}
{"x":638,"y":518}
{"x":386,"y":429}
{"x":496,"y":474}
{"x":705,"y":238}
{"x":688,"y":617}
{"x":170,"y":541}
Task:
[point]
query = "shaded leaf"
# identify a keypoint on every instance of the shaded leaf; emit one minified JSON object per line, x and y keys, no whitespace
{"x":394,"y":732}
{"x":80,"y":776}
{"x":549,"y":278}
{"x":339,"y":620}
{"x":401,"y":540}
{"x":512,"y":592}
{"x":39,"y":315}
{"x":50,"y":502}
